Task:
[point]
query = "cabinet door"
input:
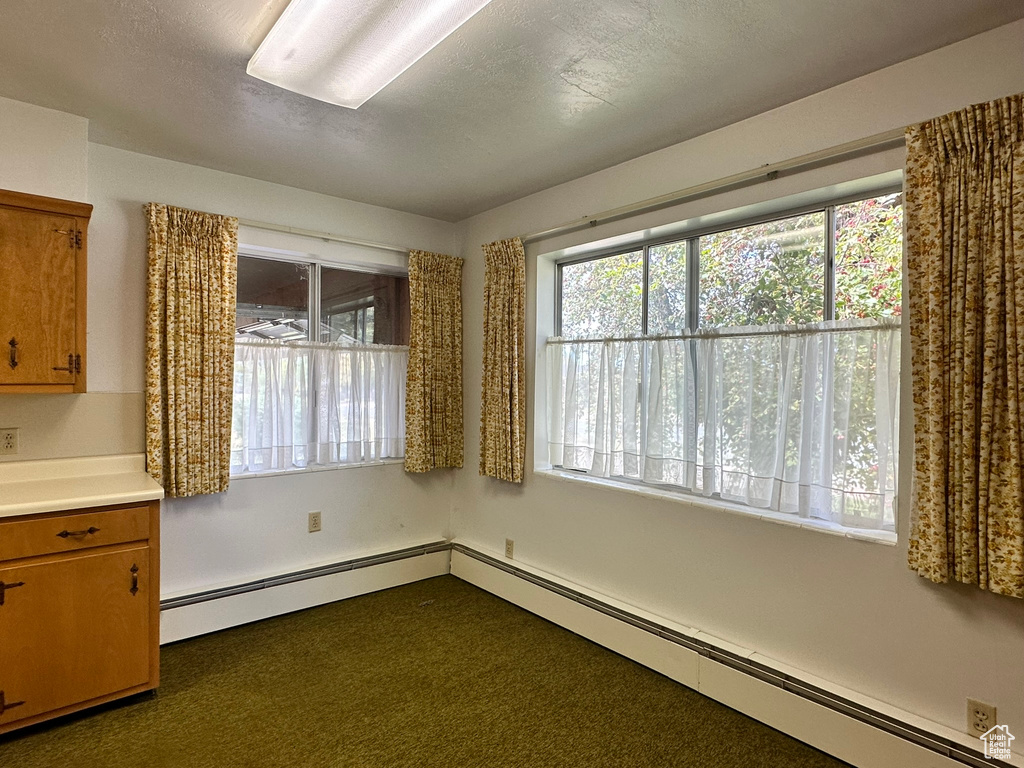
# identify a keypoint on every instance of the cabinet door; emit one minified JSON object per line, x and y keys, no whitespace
{"x":73,"y":629}
{"x":37,"y":296}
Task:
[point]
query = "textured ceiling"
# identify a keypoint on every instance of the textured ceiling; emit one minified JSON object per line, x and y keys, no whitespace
{"x":528,"y":94}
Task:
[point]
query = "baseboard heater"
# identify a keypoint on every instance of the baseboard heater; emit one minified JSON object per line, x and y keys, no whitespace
{"x":789,"y":683}
{"x":303,"y":575}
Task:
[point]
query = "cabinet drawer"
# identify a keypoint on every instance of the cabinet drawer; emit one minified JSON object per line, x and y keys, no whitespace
{"x":72,"y":532}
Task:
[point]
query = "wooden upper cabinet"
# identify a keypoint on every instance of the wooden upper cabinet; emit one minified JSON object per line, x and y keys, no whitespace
{"x":42,"y":293}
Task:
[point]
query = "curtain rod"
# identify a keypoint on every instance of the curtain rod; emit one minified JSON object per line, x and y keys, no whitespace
{"x":321,"y":235}
{"x":884,"y":324}
{"x":329,"y":345}
{"x":769,"y":172}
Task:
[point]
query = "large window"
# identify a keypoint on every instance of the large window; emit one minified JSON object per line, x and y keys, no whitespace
{"x":320,"y":365}
{"x":757,"y":364}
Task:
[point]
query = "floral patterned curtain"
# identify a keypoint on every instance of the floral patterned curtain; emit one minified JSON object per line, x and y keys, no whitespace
{"x":190,"y":333}
{"x":433,"y":390}
{"x":503,"y":391}
{"x":965,"y":271}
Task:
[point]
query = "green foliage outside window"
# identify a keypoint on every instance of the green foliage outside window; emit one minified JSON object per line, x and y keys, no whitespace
{"x":869,"y":258}
{"x":604,"y":297}
{"x":768,"y":273}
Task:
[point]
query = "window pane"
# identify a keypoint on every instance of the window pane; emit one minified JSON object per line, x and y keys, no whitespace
{"x":764,"y":274}
{"x":666,"y":301}
{"x":273,"y":299}
{"x":602,"y":298}
{"x":869,"y":257}
{"x":363,"y":308}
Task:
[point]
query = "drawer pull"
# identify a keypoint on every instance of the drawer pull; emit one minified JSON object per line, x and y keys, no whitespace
{"x":13,"y":360}
{"x":65,"y":533}
{"x":5,"y":587}
{"x":135,"y":579}
{"x":5,"y":705}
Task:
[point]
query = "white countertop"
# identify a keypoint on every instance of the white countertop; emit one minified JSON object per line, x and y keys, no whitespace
{"x":52,"y":485}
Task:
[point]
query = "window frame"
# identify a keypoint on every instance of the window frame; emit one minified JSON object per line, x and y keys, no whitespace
{"x":691,"y":236}
{"x":315,"y":267}
{"x":820,"y":201}
{"x":315,"y":271}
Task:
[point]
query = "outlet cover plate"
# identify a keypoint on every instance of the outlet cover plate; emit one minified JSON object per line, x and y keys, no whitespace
{"x":8,"y":441}
{"x":315,"y":523}
{"x":509,"y":547}
{"x":981,"y":717}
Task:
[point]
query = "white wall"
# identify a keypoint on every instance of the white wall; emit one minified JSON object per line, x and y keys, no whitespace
{"x":847,"y":611}
{"x":257,"y":528}
{"x":43,"y":152}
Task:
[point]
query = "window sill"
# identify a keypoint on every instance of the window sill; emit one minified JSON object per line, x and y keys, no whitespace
{"x":698,"y":502}
{"x":309,"y":470}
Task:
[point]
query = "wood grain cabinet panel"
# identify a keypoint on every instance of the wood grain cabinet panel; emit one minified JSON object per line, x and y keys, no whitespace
{"x":97,"y":645}
{"x":77,"y":628}
{"x":42,"y":293}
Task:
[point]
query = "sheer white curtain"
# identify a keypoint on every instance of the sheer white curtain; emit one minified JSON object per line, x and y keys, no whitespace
{"x":272,"y":407}
{"x":297,"y":405}
{"x":801,"y":420}
{"x":595,"y":393}
{"x":361,"y":403}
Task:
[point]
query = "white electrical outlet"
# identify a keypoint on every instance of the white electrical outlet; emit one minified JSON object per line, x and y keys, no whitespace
{"x":8,"y":441}
{"x":509,"y":546}
{"x":981,"y":717}
{"x":314,"y":522}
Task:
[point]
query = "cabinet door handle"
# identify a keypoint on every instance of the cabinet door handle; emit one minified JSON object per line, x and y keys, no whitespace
{"x":65,"y":533}
{"x":13,"y":343}
{"x":5,"y":705}
{"x":5,"y":587}
{"x":135,"y":579}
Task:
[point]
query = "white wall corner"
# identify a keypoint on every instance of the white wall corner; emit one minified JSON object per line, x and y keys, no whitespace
{"x":43,"y":152}
{"x":235,"y":610}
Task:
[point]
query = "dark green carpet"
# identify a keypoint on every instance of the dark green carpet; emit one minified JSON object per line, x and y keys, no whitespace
{"x":436,"y":673}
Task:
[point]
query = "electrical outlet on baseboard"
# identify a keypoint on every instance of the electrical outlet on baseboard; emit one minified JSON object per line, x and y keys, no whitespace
{"x":509,"y":547}
{"x":8,"y":441}
{"x":981,"y":717}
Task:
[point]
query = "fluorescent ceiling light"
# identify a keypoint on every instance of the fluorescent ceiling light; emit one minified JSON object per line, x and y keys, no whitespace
{"x":345,"y":51}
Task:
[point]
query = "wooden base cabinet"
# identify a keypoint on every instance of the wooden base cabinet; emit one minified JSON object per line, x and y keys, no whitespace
{"x":79,"y":610}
